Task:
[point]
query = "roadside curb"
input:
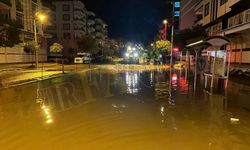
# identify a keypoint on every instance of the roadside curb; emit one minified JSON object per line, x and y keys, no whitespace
{"x":34,"y":80}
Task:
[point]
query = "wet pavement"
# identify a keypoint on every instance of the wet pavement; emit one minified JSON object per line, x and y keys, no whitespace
{"x":133,"y":110}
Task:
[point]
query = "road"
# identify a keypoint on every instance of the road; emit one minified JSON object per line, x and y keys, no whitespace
{"x":126,"y":110}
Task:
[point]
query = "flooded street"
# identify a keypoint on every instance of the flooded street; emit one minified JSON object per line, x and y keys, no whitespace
{"x":133,"y":110}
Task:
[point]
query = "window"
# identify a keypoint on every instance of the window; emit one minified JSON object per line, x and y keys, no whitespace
{"x":223,"y":2}
{"x":66,"y":26}
{"x":66,"y":17}
{"x":66,"y":7}
{"x":247,"y":18}
{"x":66,"y":36}
{"x":206,"y":10}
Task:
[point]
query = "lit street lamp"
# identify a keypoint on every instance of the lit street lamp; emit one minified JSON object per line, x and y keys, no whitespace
{"x":165,"y":21}
{"x":165,"y":25}
{"x":41,"y":18}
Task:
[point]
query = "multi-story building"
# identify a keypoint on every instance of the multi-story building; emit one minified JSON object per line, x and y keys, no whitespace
{"x":101,"y":31}
{"x":23,"y":12}
{"x":176,"y":12}
{"x":91,"y":24}
{"x":187,"y":14}
{"x":70,"y":22}
{"x":230,"y":18}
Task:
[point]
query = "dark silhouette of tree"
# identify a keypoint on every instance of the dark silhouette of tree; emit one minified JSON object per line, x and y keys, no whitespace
{"x":87,"y":44}
{"x":187,"y":35}
{"x":9,"y":33}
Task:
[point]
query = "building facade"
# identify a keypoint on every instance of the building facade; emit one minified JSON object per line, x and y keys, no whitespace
{"x":91,"y":24}
{"x":23,"y":13}
{"x":70,"y":22}
{"x":176,"y":12}
{"x":187,"y":14}
{"x":101,"y":31}
{"x":230,"y":18}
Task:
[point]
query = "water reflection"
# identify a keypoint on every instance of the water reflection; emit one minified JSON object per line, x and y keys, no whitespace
{"x":132,"y":82}
{"x":104,"y":110}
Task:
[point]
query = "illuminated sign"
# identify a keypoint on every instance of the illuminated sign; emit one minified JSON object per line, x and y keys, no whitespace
{"x":177,"y":13}
{"x":177,"y":4}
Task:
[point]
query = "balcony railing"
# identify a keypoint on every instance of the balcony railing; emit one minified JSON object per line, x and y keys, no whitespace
{"x":239,"y":19}
{"x":7,"y":2}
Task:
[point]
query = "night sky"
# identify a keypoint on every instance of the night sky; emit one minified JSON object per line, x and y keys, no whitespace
{"x":131,"y":20}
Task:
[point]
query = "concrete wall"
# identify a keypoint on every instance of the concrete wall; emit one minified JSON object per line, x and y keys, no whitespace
{"x":17,"y":55}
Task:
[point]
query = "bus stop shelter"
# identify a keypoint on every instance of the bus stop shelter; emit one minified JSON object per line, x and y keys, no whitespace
{"x":217,"y":57}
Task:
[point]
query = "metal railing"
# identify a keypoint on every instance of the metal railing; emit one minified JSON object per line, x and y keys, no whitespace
{"x":239,"y":19}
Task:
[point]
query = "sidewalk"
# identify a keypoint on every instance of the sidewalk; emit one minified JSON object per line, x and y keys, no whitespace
{"x":15,"y":74}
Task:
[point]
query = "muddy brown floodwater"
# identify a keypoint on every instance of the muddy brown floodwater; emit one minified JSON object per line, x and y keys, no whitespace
{"x":133,"y":110}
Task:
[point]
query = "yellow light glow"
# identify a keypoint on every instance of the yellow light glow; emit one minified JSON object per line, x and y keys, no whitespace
{"x":42,"y":17}
{"x":43,"y":107}
{"x":49,"y":121}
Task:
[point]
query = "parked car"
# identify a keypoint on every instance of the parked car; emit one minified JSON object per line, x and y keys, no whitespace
{"x":78,"y":60}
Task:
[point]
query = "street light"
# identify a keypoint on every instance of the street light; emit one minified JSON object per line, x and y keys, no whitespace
{"x":127,"y":54}
{"x":41,"y":18}
{"x":165,"y":21}
{"x":136,"y":55}
{"x":129,"y":48}
{"x":165,"y":25}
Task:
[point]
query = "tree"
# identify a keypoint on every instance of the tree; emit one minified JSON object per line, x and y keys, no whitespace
{"x":30,"y":47}
{"x":56,"y":48}
{"x":162,"y":46}
{"x":158,"y":48}
{"x":88,"y":45}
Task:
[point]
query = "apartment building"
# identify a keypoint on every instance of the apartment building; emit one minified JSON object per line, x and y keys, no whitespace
{"x":70,"y":22}
{"x":101,"y":31}
{"x":23,"y":12}
{"x":91,"y":24}
{"x":230,"y":18}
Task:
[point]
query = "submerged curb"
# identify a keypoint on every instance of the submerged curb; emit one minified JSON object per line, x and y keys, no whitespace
{"x":34,"y":80}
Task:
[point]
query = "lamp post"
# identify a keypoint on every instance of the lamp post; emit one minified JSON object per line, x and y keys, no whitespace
{"x":42,"y":18}
{"x":165,"y":23}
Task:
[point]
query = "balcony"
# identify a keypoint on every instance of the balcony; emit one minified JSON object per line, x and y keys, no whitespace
{"x":7,"y":2}
{"x":79,"y":4}
{"x":91,"y":22}
{"x":91,"y":14}
{"x":239,"y":22}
